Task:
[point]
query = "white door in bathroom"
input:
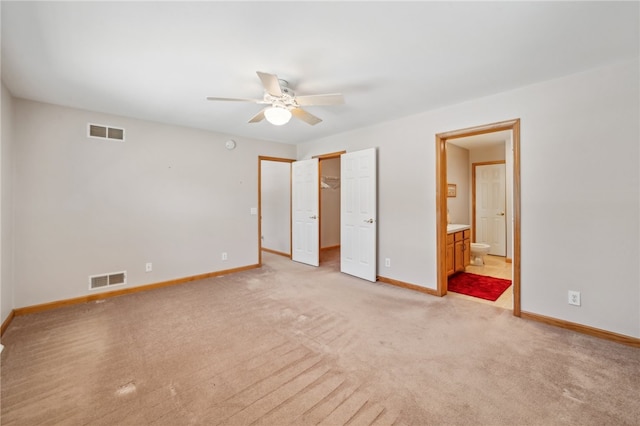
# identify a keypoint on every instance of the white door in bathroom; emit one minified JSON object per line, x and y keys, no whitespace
{"x":490,"y":207}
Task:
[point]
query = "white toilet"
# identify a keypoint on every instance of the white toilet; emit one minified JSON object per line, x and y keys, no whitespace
{"x":478,"y":250}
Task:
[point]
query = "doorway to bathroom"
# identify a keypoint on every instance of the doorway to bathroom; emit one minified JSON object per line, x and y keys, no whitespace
{"x":456,"y":200}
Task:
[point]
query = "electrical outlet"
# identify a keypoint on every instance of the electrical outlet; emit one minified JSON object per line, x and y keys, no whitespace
{"x":148,"y":267}
{"x":224,"y":255}
{"x":574,"y":298}
{"x":387,"y":262}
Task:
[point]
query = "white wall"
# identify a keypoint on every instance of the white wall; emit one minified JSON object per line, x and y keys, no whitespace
{"x":276,"y":205}
{"x":490,"y":153}
{"x":458,"y":173}
{"x":6,"y":205}
{"x":330,"y":203}
{"x":168,"y":195}
{"x":579,"y":182}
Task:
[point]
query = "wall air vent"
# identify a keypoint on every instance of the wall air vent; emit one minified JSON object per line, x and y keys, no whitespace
{"x":105,"y":132}
{"x":107,"y":280}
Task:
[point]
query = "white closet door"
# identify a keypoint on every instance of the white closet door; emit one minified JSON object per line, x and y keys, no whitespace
{"x":358,"y":218}
{"x":305,"y":202}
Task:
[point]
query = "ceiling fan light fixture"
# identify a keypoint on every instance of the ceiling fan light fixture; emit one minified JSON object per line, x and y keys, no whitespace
{"x":283,"y":102}
{"x":277,"y":115}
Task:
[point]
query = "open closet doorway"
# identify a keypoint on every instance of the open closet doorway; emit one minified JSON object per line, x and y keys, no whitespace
{"x":457,"y":205}
{"x":329,"y":171}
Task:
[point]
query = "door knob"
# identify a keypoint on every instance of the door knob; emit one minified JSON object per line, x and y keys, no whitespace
{"x":313,"y":217}
{"x":500,"y":214}
{"x":368,"y":221}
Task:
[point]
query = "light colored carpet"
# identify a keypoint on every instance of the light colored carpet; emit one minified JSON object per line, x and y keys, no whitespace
{"x":292,"y":344}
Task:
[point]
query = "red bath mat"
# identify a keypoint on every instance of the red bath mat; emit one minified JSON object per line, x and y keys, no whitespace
{"x":481,"y":286}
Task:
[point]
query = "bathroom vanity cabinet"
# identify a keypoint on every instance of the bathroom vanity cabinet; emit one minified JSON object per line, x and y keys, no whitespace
{"x":458,"y":250}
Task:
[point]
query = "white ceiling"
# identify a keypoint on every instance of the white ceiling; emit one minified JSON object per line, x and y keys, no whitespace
{"x":482,"y":141}
{"x":160,"y":60}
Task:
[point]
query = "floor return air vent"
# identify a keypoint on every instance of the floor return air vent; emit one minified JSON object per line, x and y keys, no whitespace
{"x":107,"y":280}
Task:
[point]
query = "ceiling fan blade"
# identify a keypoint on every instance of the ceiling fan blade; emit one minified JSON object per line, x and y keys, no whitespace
{"x":303,"y":115}
{"x":258,"y":117}
{"x":270,"y":83}
{"x":255,"y":101}
{"x":328,"y":99}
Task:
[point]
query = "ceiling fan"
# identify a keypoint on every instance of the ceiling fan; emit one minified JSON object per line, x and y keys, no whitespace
{"x":283,"y":102}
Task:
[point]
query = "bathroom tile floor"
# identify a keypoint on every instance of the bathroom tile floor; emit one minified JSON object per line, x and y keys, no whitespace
{"x":494,"y":266}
